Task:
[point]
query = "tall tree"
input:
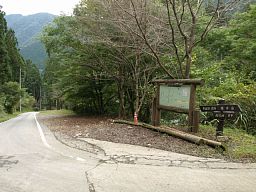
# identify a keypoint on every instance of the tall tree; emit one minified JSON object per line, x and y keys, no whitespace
{"x":32,"y":80}
{"x":15,"y":59}
{"x":180,"y":27}
{"x":11,"y":64}
{"x":5,"y":70}
{"x":127,"y":51}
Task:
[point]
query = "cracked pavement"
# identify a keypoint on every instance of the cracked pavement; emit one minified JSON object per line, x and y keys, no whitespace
{"x":29,"y":162}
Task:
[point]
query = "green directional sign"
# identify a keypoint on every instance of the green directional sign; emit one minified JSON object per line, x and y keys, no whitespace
{"x":172,"y":96}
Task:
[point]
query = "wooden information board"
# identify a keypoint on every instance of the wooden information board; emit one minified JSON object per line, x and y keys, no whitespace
{"x":176,"y":95}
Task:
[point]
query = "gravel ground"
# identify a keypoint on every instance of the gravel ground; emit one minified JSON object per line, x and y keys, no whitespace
{"x":102,"y":128}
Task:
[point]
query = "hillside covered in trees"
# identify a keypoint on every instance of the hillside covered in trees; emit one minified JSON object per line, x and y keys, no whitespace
{"x":102,"y":60}
{"x":19,"y":79}
{"x":27,"y":31}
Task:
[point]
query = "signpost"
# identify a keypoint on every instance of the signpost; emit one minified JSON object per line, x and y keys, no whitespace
{"x":177,"y":95}
{"x":221,"y":111}
{"x":221,"y":107}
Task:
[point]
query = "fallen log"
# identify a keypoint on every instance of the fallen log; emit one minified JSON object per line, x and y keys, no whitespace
{"x":176,"y":133}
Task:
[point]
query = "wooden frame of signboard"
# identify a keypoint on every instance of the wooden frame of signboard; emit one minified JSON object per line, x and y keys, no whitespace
{"x":177,"y":95}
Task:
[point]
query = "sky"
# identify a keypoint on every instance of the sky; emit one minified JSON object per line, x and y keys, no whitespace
{"x":28,"y":7}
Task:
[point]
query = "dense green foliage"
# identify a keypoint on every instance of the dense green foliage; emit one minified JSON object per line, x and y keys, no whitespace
{"x":229,"y":67}
{"x":103,"y":58}
{"x":16,"y":75}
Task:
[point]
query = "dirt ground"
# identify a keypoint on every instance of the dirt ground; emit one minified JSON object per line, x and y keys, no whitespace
{"x":103,"y":128}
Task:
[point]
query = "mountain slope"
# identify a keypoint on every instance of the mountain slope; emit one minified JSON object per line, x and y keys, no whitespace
{"x":27,"y":30}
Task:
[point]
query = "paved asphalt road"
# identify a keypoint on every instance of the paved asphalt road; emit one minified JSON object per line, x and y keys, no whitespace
{"x":32,"y":160}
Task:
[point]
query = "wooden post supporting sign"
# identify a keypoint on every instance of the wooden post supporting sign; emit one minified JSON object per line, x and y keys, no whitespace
{"x":192,"y":101}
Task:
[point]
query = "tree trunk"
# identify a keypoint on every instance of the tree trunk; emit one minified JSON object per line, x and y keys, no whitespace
{"x":121,"y":93}
{"x":136,"y":81}
{"x":188,"y":66}
{"x":176,"y":133}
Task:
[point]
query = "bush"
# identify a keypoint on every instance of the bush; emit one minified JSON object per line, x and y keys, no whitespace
{"x":11,"y":96}
{"x":2,"y":112}
{"x":28,"y":102}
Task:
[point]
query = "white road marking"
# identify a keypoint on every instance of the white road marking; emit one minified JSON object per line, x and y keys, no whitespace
{"x":80,"y":159}
{"x":50,"y":147}
{"x":42,"y":134}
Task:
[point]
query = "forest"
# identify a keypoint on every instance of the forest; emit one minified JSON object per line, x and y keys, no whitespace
{"x":19,"y":79}
{"x":102,"y":59}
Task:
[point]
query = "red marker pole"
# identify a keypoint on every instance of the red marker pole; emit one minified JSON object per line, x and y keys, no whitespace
{"x":135,"y":118}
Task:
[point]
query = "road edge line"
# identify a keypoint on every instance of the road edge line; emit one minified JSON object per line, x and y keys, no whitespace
{"x":50,"y":147}
{"x":41,"y":133}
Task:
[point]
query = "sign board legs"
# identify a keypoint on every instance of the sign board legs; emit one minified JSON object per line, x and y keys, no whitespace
{"x":219,"y":130}
{"x":156,"y":113}
{"x":154,"y":108}
{"x":196,"y":119}
{"x":191,"y":114}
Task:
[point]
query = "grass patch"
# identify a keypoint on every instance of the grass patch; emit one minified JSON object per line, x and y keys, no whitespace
{"x":240,"y":145}
{"x":6,"y":117}
{"x":58,"y":112}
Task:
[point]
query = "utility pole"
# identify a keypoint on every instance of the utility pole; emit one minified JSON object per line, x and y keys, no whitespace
{"x":20,"y":89}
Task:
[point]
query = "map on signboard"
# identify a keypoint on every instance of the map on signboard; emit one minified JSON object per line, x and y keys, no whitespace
{"x":178,"y":97}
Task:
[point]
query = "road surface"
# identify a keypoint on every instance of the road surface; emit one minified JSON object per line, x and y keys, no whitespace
{"x":32,"y":160}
